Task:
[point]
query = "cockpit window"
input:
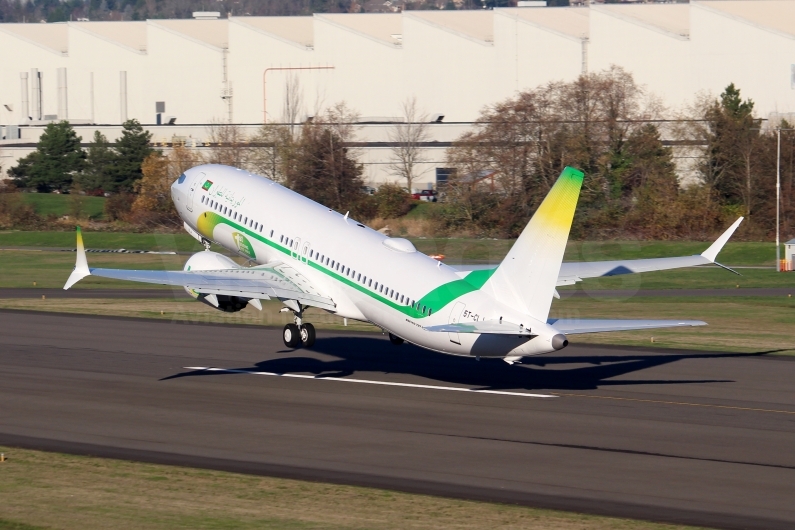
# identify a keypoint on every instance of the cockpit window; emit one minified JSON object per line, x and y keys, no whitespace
{"x":181,"y":178}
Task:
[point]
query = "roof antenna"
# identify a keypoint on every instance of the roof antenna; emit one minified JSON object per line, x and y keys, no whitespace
{"x":346,"y":215}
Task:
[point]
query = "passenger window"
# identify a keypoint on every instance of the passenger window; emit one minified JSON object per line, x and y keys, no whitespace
{"x":371,"y":283}
{"x":271,"y":233}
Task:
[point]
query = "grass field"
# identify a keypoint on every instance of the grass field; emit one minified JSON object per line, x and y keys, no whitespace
{"x":734,"y":323}
{"x":180,"y":242}
{"x":455,"y":250}
{"x":59,"y":205}
{"x":55,"y":491}
{"x":20,"y":268}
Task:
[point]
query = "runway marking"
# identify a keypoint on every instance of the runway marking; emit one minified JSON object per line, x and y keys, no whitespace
{"x":682,"y":403}
{"x":370,"y":382}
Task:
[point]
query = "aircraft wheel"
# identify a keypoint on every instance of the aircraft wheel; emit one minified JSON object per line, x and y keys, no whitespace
{"x":394,"y":339}
{"x":308,"y":335}
{"x":291,"y":335}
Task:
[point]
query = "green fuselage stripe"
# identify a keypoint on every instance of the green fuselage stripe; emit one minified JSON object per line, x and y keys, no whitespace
{"x":435,"y":300}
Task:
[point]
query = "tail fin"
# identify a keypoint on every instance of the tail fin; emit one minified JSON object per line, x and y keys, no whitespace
{"x":526,"y":278}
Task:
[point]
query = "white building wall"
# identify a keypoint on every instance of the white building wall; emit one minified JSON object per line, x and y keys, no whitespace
{"x":450,"y":73}
{"x":253,"y":50}
{"x":658,"y":59}
{"x":184,"y":72}
{"x":758,"y":60}
{"x":528,"y":55}
{"x":20,"y":55}
{"x":90,"y":53}
{"x":368,"y":72}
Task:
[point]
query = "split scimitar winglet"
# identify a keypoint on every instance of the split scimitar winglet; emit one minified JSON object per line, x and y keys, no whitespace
{"x":81,"y":263}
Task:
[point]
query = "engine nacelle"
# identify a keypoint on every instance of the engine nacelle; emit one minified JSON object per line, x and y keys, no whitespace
{"x":212,"y":261}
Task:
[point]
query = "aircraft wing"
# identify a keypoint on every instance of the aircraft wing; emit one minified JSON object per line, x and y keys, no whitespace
{"x":573,"y":272}
{"x":263,"y":283}
{"x":575,"y":326}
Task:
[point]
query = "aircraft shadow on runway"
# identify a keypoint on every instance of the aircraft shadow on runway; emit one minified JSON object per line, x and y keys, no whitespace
{"x":364,"y":356}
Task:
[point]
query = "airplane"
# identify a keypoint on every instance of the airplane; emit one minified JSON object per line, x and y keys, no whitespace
{"x":307,"y":255}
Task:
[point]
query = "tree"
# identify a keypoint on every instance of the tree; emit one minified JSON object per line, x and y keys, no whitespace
{"x":321,"y":166}
{"x":100,"y":162}
{"x":408,"y":138}
{"x":132,"y":149}
{"x":524,"y":142}
{"x":55,"y":162}
{"x":153,"y":205}
{"x":228,"y":145}
{"x":729,"y":165}
{"x":269,"y":148}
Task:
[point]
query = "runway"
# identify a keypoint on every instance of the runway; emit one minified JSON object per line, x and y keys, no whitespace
{"x":677,"y":436}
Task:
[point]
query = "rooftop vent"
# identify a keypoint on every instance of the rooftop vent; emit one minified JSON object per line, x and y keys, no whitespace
{"x":206,"y":15}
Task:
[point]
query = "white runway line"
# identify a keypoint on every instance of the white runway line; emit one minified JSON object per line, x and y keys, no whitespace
{"x":369,"y":382}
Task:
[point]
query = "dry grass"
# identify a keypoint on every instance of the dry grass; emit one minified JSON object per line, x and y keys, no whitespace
{"x":181,"y":309}
{"x":404,"y":227}
{"x":61,"y":491}
{"x":742,"y":324}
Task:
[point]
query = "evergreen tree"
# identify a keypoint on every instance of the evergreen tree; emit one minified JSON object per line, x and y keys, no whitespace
{"x":100,"y":163}
{"x":321,"y":168}
{"x":57,"y":160}
{"x":132,"y":149}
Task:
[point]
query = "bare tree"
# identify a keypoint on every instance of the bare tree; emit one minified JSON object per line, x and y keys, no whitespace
{"x":408,"y":138}
{"x":228,"y":145}
{"x":293,"y":100}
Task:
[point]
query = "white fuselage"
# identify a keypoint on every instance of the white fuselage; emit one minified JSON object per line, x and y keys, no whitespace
{"x":399,"y":290}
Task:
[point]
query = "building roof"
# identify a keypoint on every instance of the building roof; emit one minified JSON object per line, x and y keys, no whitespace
{"x":671,"y":18}
{"x":299,"y":30}
{"x":212,"y":32}
{"x":386,"y":27}
{"x":128,"y":34}
{"x":570,"y":21}
{"x":475,"y":24}
{"x":778,"y":15}
{"x":54,"y":37}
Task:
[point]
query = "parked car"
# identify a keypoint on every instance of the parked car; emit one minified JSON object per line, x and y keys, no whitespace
{"x":425,"y":195}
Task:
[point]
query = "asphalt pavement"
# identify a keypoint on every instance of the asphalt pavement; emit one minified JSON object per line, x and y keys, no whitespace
{"x":678,"y":436}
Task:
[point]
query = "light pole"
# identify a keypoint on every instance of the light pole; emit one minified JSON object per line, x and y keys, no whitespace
{"x":778,"y":197}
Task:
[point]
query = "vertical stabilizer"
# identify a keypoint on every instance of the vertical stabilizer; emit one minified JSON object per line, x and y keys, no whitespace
{"x":526,"y":278}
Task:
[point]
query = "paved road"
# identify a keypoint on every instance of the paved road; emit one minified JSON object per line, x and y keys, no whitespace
{"x":702,"y":438}
{"x":590,"y":293}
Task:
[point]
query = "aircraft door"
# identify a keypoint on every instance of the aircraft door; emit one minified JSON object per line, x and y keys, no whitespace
{"x":305,"y":251}
{"x":455,"y":318}
{"x":197,"y":180}
{"x":296,"y":248}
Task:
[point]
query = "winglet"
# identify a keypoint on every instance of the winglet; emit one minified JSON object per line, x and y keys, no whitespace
{"x":81,"y":263}
{"x":712,"y":252}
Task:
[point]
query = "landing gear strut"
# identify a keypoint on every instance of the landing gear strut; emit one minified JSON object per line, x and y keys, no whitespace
{"x":299,"y":333}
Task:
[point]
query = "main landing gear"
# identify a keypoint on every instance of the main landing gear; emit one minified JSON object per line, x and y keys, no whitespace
{"x":394,"y":339}
{"x":299,"y":333}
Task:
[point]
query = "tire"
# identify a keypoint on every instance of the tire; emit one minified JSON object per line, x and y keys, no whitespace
{"x":308,"y":335}
{"x":291,"y":336}
{"x":394,"y":339}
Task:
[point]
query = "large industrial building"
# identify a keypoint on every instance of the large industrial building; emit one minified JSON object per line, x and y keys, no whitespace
{"x":191,"y":73}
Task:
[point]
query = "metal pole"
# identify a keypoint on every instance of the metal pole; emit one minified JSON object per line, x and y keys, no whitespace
{"x":778,"y":198}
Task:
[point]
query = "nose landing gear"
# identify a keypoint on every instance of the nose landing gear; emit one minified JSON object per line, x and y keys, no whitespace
{"x":299,"y":333}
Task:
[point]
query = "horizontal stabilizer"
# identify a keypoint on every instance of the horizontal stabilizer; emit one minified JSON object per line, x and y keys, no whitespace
{"x":574,"y":326}
{"x":485,"y":327}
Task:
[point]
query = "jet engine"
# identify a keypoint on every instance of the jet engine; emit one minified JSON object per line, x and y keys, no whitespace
{"x":212,"y":261}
